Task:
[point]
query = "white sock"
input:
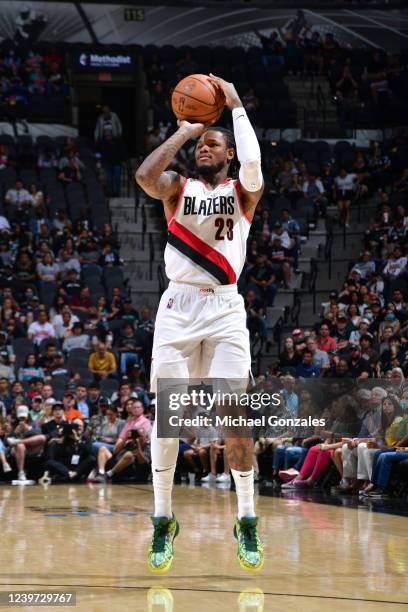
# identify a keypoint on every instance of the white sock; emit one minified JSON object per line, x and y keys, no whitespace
{"x":102,"y":471}
{"x":244,"y":485}
{"x":164,"y":458}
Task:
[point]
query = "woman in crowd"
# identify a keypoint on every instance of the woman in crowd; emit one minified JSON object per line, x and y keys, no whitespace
{"x":289,"y":357}
{"x":31,"y":369}
{"x":109,"y":431}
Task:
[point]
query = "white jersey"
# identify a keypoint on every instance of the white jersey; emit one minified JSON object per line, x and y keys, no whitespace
{"x":208,"y":235}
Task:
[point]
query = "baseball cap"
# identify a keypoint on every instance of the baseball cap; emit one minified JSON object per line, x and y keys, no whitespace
{"x":364,"y":394}
{"x":341,"y":315}
{"x":333,"y":294}
{"x":104,"y":401}
{"x":296,"y":332}
{"x":22,"y":412}
{"x":364,"y":320}
{"x":354,"y":346}
{"x":277,"y":224}
{"x":37,"y":398}
{"x":57,"y":404}
{"x":51,"y":401}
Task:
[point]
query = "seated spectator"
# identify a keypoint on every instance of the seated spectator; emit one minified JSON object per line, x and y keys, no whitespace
{"x":64,"y":322}
{"x":324,"y":341}
{"x":41,"y":329}
{"x":83,"y":301}
{"x":133,"y":451}
{"x":71,"y":412}
{"x":59,"y":368}
{"x":7,"y":366}
{"x":102,"y":363}
{"x":81,"y":397}
{"x":130,"y":346}
{"x":320,"y":357}
{"x":262,"y":280}
{"x":66,"y":264}
{"x":71,"y":172}
{"x":19,"y":200}
{"x":25,"y":441}
{"x":307,"y":369}
{"x":313,"y":190}
{"x":395,"y":265}
{"x":4,"y":426}
{"x":110,"y":429}
{"x":37,"y":410}
{"x":76,"y":339}
{"x":127,"y":312}
{"x":48,"y":271}
{"x":30,"y":369}
{"x":53,"y":428}
{"x":256,"y":323}
{"x":72,"y":459}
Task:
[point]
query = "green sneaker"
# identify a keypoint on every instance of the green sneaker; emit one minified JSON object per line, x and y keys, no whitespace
{"x":250,"y":551}
{"x":160,"y":554}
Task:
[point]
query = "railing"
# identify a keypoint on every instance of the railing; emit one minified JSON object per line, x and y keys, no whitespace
{"x":312,"y":281}
{"x":295,"y":311}
{"x":144,"y":225}
{"x":321,"y":104}
{"x":328,"y":251}
{"x":277,"y":332}
{"x":151,"y":255}
{"x":136,"y":194}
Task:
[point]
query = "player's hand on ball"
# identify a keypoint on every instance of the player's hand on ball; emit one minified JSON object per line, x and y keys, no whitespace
{"x":232,"y":99}
{"x":193,"y":129}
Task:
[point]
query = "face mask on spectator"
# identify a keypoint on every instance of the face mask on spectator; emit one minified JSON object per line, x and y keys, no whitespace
{"x":389,"y":316}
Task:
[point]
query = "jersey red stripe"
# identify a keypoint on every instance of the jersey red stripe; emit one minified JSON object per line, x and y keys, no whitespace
{"x":203,"y":248}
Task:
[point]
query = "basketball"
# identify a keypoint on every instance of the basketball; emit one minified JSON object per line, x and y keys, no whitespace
{"x":197,"y":100}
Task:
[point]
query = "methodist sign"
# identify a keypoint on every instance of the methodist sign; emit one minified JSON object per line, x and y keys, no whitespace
{"x":95,"y":61}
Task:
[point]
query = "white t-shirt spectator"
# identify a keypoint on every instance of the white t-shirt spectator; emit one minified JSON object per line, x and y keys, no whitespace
{"x":59,"y":327}
{"x":395,"y":267}
{"x":364,"y":268}
{"x":4,"y":224}
{"x":313,"y":188}
{"x":71,"y":264}
{"x":284,"y":238}
{"x":40,"y":331}
{"x":48,"y":272}
{"x":345,"y":183}
{"x":18,"y":197}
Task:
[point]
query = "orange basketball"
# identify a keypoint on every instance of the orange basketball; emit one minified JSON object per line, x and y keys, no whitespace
{"x":195,"y":99}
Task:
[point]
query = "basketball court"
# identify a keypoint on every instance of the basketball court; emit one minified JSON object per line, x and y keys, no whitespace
{"x":93,"y":540}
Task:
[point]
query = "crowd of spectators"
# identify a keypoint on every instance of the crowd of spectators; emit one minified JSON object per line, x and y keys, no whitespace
{"x":31,"y":80}
{"x":72,"y":345}
{"x":361,"y":337}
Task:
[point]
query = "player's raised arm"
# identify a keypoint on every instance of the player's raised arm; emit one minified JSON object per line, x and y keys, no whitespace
{"x":248,"y":151}
{"x":152,"y":175}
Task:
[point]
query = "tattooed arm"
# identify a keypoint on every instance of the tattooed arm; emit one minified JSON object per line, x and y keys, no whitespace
{"x":152,"y":175}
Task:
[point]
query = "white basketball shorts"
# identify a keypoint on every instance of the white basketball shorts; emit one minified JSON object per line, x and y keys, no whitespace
{"x":200,"y":333}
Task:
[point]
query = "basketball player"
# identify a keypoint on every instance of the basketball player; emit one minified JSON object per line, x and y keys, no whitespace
{"x":201,"y":321}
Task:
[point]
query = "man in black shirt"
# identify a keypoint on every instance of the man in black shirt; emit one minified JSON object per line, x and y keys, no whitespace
{"x":130,"y":347}
{"x":359,"y":367}
{"x":262,"y":280}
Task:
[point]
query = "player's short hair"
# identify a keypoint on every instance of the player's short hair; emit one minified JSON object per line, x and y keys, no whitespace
{"x":228,"y":135}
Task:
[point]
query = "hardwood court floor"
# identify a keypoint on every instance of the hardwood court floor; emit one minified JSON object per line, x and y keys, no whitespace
{"x":93,"y":539}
